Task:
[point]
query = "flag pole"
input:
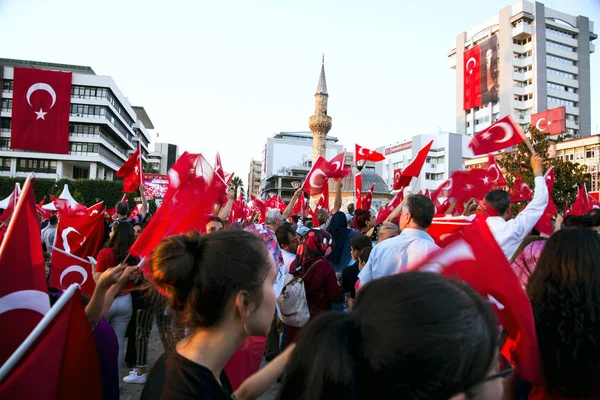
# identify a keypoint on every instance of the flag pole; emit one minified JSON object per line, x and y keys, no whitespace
{"x":37,"y":331}
{"x":21,"y":200}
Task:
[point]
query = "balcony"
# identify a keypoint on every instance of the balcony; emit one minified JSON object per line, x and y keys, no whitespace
{"x":522,"y":62}
{"x":522,"y":31}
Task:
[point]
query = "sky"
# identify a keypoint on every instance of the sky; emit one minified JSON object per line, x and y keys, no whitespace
{"x":226,"y":75}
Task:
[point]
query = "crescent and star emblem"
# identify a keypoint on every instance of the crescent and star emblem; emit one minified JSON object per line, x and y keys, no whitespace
{"x":472,"y":59}
{"x":41,"y":86}
{"x":64,"y":235}
{"x":537,"y":124}
{"x":34,"y":300}
{"x":507,"y":129}
{"x":362,"y":152}
{"x":74,"y":268}
{"x":495,"y":168}
{"x":337,"y":164}
{"x":318,"y":172}
{"x":449,"y":184}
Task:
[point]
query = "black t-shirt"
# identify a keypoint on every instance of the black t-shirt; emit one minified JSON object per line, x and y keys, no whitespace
{"x":176,"y":377}
{"x":349,"y":278}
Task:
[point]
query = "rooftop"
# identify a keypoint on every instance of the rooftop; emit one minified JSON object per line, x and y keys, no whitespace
{"x":143,"y":116}
{"x":282,"y":135}
{"x":80,"y":69}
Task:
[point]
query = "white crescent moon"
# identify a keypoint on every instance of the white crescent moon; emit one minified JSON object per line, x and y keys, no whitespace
{"x":537,"y":124}
{"x":449,"y":184}
{"x":93,"y":212}
{"x":361,"y":152}
{"x":338,"y":165}
{"x":474,"y":63}
{"x":397,"y":176}
{"x":75,"y":268}
{"x":41,"y":86}
{"x":508,"y":131}
{"x":495,"y":168}
{"x":317,"y":172}
{"x":64,"y":234}
{"x":33,"y":300}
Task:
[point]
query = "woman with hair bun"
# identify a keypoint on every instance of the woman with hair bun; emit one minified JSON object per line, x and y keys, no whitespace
{"x":414,"y":335}
{"x":221,"y":287}
{"x":365,"y":221}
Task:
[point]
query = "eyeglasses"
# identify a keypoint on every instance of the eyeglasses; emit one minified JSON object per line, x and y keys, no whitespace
{"x":507,"y":369}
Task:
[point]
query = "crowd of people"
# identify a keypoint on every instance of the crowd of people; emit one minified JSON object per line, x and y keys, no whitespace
{"x":375,"y":326}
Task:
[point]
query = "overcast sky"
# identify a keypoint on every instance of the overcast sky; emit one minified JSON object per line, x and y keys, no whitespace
{"x":225,"y":75}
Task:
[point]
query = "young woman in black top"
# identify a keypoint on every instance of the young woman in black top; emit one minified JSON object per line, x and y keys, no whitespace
{"x":221,"y":287}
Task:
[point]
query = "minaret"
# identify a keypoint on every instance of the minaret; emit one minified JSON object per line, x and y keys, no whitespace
{"x":320,"y":122}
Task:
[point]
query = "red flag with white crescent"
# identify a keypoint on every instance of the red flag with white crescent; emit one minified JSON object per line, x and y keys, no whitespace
{"x":317,"y":179}
{"x":365,"y":203}
{"x":494,"y":175}
{"x":362,"y":153}
{"x":552,"y":122}
{"x":520,"y":191}
{"x":503,"y":134}
{"x":397,"y":176}
{"x":40,"y":111}
{"x":336,"y":167}
{"x":472,"y":78}
{"x":68,"y":269}
{"x":131,"y":172}
{"x":358,"y":189}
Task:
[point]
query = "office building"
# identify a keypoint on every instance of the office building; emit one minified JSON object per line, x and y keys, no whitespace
{"x":104,"y":128}
{"x":254,"y":177}
{"x":163,"y":157}
{"x":526,"y":59}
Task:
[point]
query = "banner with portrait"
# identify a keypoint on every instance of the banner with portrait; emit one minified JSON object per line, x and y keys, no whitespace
{"x":481,"y":74}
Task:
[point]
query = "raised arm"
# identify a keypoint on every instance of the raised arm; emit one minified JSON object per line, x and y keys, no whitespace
{"x":290,"y":206}
{"x":144,"y":210}
{"x":225,"y":211}
{"x":337,"y":202}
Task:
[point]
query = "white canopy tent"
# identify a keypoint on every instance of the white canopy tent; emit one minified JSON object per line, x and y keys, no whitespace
{"x":4,"y":203}
{"x":64,"y":195}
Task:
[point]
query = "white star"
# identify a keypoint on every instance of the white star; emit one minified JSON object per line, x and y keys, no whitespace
{"x":468,"y":186}
{"x":486,"y":135}
{"x":549,"y":123}
{"x":40,"y":114}
{"x":485,"y":180}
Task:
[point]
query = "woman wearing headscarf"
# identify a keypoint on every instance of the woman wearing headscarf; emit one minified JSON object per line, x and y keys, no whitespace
{"x":340,"y":255}
{"x":320,"y":282}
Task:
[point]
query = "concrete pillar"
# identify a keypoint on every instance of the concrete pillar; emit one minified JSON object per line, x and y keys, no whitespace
{"x":93,"y":171}
{"x":583,"y":64}
{"x":109,"y":174}
{"x":505,"y":60}
{"x":13,"y":167}
{"x":101,"y":171}
{"x":540,"y":82}
{"x":59,"y":170}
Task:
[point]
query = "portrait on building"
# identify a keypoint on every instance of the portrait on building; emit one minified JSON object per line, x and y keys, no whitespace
{"x":481,"y":74}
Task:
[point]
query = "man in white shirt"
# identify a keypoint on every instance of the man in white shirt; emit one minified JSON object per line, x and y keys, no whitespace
{"x":288,"y":241}
{"x":411,"y":247}
{"x":510,"y":233}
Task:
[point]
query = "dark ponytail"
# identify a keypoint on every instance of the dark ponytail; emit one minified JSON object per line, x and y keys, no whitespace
{"x":411,"y":336}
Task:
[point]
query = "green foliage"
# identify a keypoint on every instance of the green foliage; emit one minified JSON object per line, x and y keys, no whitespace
{"x":567,"y":174}
{"x":149,"y":168}
{"x":85,"y":191}
{"x":237,"y":183}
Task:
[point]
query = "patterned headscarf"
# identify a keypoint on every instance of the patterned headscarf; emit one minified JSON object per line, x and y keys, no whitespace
{"x":316,"y":245}
{"x":525,"y":263}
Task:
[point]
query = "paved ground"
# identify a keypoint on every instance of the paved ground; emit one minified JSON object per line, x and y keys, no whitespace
{"x":155,"y":349}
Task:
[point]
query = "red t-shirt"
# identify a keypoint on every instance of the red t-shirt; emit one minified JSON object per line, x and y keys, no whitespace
{"x":107,"y":258}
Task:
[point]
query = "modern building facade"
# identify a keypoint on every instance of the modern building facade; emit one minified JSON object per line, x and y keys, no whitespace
{"x":445,"y":157}
{"x":254,"y":177}
{"x":104,"y":128}
{"x":163,"y":157}
{"x":539,"y":58}
{"x":320,"y":122}
{"x":287,"y":157}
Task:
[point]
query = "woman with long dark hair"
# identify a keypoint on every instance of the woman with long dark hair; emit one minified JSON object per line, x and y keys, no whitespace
{"x":340,"y":255}
{"x":365,"y":222}
{"x":116,"y":252}
{"x":564,"y":291}
{"x":320,"y":282}
{"x":410,"y":336}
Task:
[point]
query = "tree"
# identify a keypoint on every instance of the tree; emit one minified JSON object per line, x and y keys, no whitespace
{"x":149,"y":168}
{"x":237,"y":183}
{"x":568,"y":175}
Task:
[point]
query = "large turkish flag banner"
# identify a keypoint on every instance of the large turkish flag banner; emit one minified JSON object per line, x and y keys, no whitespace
{"x":472,"y":78}
{"x":41,"y":108}
{"x":552,"y":121}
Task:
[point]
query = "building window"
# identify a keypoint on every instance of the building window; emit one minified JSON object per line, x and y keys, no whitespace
{"x":550,"y":57}
{"x":6,"y":104}
{"x":559,"y":32}
{"x":7,"y":86}
{"x":5,"y":124}
{"x":83,"y":148}
{"x":4,"y":164}
{"x":590,"y":154}
{"x":561,"y":73}
{"x":32,"y":165}
{"x":562,"y":102}
{"x":561,"y":87}
{"x":559,"y":45}
{"x":4,"y":143}
{"x":80,"y":173}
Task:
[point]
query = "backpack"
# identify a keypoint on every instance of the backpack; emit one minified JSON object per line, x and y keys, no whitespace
{"x":292,"y":300}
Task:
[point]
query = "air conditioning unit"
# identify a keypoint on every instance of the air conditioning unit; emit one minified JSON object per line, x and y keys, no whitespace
{"x":432,"y":165}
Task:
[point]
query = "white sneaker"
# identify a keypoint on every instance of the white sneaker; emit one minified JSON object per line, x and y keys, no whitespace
{"x":135,"y":378}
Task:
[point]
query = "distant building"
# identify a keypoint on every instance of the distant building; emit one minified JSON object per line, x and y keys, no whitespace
{"x":287,"y":158}
{"x":445,"y":157}
{"x":532,"y":58}
{"x":163,"y":157}
{"x":104,"y":128}
{"x":254,"y":178}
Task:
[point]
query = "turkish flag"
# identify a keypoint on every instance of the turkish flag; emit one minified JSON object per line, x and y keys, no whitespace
{"x":365,"y":203}
{"x":494,"y":174}
{"x":80,"y":235}
{"x":472,"y":255}
{"x":472,"y":78}
{"x":191,"y":194}
{"x":336,"y":167}
{"x":503,"y":134}
{"x":441,"y":227}
{"x":259,"y":206}
{"x":358,"y":188}
{"x":362,"y":153}
{"x":323,"y":201}
{"x":40,"y":113}
{"x":391,"y":206}
{"x":582,"y":204}
{"x":275,"y":202}
{"x":552,"y":121}
{"x":68,"y":206}
{"x":413,"y":170}
{"x":397,"y":176}
{"x":62,"y":362}
{"x":520,"y":191}
{"x":12,"y":203}
{"x":131,"y":172}
{"x":23,"y":293}
{"x":317,"y":178}
{"x":67,"y":269}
